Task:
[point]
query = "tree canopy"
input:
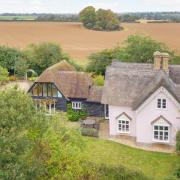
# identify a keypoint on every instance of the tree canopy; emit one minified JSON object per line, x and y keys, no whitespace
{"x":41,"y":56}
{"x":137,"y":49}
{"x":8,"y":57}
{"x":3,"y":75}
{"x":33,"y":145}
{"x":103,"y":20}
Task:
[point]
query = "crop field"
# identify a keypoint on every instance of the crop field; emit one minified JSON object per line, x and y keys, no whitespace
{"x":79,"y":42}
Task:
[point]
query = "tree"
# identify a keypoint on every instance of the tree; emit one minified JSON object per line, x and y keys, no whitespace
{"x":3,"y":75}
{"x":88,"y":17}
{"x":99,"y":61}
{"x":8,"y":57}
{"x":21,"y":67}
{"x":137,"y":49}
{"x":33,"y":145}
{"x":43,"y":55}
{"x":106,"y":20}
{"x":103,"y":20}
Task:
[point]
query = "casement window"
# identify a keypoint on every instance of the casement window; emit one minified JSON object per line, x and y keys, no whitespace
{"x":161,"y":133}
{"x":161,"y":130}
{"x":123,"y":126}
{"x":76,"y":105}
{"x":161,"y":103}
{"x":123,"y":123}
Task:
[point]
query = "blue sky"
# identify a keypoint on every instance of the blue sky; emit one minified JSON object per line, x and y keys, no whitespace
{"x":74,"y":6}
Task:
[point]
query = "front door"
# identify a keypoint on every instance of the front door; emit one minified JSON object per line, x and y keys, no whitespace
{"x":106,"y":110}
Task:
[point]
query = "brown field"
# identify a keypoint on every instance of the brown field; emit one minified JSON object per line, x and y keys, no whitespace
{"x":80,"y":42}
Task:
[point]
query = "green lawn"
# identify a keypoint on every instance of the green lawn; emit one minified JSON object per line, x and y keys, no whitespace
{"x":154,"y":165}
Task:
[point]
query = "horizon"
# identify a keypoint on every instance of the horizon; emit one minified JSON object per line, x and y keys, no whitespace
{"x":74,"y":7}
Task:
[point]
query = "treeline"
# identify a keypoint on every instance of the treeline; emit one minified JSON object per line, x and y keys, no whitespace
{"x":163,"y":16}
{"x":136,"y":49}
{"x":35,"y":58}
{"x":123,"y":17}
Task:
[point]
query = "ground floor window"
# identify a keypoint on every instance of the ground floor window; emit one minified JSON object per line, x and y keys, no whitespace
{"x":123,"y":126}
{"x":49,"y":105}
{"x":76,"y":105}
{"x":161,"y":133}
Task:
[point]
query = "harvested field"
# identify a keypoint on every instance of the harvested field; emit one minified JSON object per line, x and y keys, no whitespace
{"x":80,"y":42}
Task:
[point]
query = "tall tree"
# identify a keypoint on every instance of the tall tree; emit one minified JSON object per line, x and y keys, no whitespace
{"x":103,"y":20}
{"x":88,"y":17}
{"x":41,"y":56}
{"x":138,"y":49}
{"x":106,"y":20}
{"x":36,"y":146}
{"x":8,"y":57}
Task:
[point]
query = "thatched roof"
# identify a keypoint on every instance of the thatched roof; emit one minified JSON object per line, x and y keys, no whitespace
{"x":63,"y":66}
{"x":129,"y":84}
{"x":95,"y":94}
{"x":72,"y":84}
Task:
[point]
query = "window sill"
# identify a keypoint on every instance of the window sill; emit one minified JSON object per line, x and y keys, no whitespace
{"x":160,"y":141}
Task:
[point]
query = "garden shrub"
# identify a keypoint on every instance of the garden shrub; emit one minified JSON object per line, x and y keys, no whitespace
{"x":102,"y":171}
{"x":178,"y":142}
{"x":3,"y":75}
{"x":75,"y":115}
{"x":98,"y":80}
{"x":177,"y":172}
{"x":89,"y":132}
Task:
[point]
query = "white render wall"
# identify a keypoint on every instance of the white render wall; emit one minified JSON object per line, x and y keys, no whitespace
{"x":114,"y":112}
{"x":140,"y":125}
{"x":150,"y":112}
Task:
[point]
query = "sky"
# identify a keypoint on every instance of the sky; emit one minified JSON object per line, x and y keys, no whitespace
{"x":74,"y":6}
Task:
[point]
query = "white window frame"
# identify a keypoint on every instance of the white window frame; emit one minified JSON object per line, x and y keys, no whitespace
{"x":161,"y":103}
{"x":77,"y":105}
{"x":120,"y":122}
{"x":163,"y":133}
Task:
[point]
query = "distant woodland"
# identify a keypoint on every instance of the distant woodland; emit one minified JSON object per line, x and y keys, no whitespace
{"x":124,"y":17}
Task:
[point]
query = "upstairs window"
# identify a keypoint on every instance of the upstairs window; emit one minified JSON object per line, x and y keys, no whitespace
{"x":76,"y":105}
{"x":46,"y":90}
{"x":161,"y":103}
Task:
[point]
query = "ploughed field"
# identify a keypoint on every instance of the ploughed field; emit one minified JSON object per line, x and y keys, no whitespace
{"x":79,"y":42}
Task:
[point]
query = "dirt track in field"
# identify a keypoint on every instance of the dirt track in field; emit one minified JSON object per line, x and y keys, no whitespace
{"x":80,"y":42}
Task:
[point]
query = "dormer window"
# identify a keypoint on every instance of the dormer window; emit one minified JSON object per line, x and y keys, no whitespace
{"x":161,"y":103}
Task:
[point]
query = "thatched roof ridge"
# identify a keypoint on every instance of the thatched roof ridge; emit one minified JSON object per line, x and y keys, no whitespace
{"x":62,"y":66}
{"x":128,"y":84}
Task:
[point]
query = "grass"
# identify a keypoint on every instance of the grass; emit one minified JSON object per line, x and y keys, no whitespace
{"x":153,"y":164}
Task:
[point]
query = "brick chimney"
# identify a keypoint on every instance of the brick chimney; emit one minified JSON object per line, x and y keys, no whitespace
{"x":161,"y":61}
